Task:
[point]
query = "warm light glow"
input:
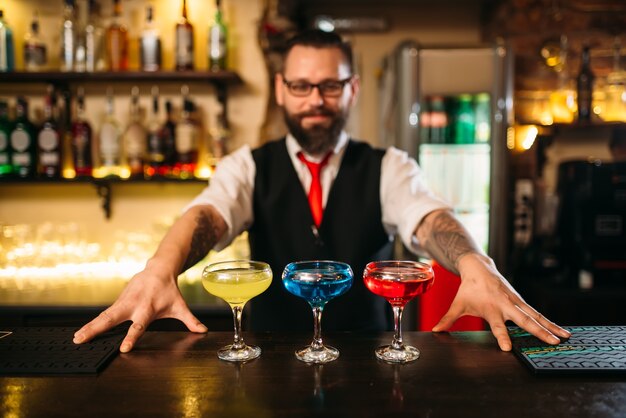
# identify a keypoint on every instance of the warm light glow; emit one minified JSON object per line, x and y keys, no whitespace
{"x":525,"y":136}
{"x":510,"y":137}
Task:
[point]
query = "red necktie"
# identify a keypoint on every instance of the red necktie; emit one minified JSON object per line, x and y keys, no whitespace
{"x":315,"y":191}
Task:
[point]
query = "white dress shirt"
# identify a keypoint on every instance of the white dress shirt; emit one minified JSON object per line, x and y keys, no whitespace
{"x":404,"y":197}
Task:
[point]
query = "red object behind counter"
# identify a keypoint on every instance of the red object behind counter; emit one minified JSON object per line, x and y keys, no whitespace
{"x":434,"y":304}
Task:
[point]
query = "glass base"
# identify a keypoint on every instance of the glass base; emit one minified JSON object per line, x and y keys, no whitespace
{"x":324,"y":354}
{"x":405,"y":354}
{"x":245,"y":353}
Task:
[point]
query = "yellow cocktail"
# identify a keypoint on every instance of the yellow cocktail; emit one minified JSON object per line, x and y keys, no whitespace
{"x":237,"y":282}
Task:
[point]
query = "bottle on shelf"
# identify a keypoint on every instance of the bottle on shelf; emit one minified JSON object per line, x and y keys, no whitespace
{"x":584,"y":86}
{"x":81,"y":139}
{"x":150,"y":44}
{"x":35,"y":58}
{"x":184,"y":42}
{"x":438,"y":120}
{"x":482,"y":111}
{"x":23,"y":142}
{"x":217,"y":40}
{"x":68,"y":36}
{"x":464,"y":121}
{"x":168,"y":134}
{"x":49,"y":140}
{"x":155,"y":164}
{"x":615,"y":89}
{"x":186,"y":140}
{"x":67,"y":163}
{"x":109,"y":150}
{"x":117,"y":41}
{"x":135,"y":137}
{"x":94,"y":40}
{"x":5,"y":131}
{"x":7,"y":54}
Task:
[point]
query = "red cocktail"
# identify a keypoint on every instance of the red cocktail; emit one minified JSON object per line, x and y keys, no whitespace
{"x":398,"y":282}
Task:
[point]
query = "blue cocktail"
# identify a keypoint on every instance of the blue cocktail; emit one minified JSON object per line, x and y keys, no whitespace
{"x":317,"y":282}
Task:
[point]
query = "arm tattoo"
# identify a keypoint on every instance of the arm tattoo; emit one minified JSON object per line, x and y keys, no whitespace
{"x":443,"y":236}
{"x":204,"y":237}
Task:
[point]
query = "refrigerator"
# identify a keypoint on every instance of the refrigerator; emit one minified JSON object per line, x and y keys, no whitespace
{"x":471,"y":176}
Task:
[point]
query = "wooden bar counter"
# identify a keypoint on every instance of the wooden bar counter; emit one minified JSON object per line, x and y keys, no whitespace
{"x":177,"y":374}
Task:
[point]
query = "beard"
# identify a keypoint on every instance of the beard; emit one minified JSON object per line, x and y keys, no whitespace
{"x":318,"y":139}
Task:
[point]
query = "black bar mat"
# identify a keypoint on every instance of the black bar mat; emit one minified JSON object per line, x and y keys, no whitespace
{"x":591,"y":349}
{"x":50,"y":351}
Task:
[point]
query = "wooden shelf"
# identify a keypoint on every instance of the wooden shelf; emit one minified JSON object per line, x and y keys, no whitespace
{"x":214,"y":77}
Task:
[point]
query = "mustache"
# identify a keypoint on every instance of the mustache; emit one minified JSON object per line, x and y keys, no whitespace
{"x":316,"y":112}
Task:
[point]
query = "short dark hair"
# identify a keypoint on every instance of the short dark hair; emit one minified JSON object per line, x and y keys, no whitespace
{"x":319,"y":39}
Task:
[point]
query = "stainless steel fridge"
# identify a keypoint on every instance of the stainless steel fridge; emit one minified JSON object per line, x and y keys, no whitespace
{"x":472,"y":177}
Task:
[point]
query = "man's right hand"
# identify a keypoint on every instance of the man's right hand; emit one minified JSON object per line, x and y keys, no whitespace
{"x":145,"y":298}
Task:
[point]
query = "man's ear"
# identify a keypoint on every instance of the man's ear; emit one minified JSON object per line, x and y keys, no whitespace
{"x":278,"y":88}
{"x":355,"y":84}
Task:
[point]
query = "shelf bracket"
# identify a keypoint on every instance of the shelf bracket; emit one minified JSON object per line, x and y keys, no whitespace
{"x":104,"y":192}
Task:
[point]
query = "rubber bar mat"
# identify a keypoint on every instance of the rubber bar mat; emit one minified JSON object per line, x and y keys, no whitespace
{"x":590,"y":349}
{"x":50,"y":351}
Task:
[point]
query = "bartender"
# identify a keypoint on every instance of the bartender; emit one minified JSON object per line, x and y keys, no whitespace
{"x":318,"y":194}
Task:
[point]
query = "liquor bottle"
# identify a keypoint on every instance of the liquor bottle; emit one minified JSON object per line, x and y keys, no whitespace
{"x":23,"y":143}
{"x":81,"y":139}
{"x":217,"y":41}
{"x":49,"y":140}
{"x":438,"y":120}
{"x":7,"y":54}
{"x":615,"y":90}
{"x":184,"y":42}
{"x":482,"y":110}
{"x":68,"y":37}
{"x":156,"y":151}
{"x":67,"y":162}
{"x":135,"y":137}
{"x":584,"y":86}
{"x":464,"y":121}
{"x":35,"y":58}
{"x":117,"y":41}
{"x":168,"y":134}
{"x":150,"y":44}
{"x":186,"y":142}
{"x":109,"y":147}
{"x":95,"y":59}
{"x":5,"y":150}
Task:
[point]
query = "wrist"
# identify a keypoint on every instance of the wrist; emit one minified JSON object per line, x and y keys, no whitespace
{"x":472,"y":261}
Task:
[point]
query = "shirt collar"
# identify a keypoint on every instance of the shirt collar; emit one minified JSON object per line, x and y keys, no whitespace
{"x":293,"y":148}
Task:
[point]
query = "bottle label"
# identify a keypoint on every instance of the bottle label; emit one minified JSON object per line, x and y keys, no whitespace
{"x":49,"y":158}
{"x":20,"y":140}
{"x":134,"y":142}
{"x":109,"y":144}
{"x":150,"y":53}
{"x":184,"y":46}
{"x":48,"y":139}
{"x":34,"y":55}
{"x":21,"y":159}
{"x":185,"y":138}
{"x":217,"y":47}
{"x":3,"y":141}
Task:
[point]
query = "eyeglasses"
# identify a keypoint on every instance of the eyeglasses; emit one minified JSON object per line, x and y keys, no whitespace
{"x":327,"y":88}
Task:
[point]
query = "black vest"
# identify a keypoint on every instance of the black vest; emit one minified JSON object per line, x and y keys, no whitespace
{"x":351,"y":232}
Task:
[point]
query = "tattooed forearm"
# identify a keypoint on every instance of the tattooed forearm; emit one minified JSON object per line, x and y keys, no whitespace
{"x":443,"y":236}
{"x":205,"y":236}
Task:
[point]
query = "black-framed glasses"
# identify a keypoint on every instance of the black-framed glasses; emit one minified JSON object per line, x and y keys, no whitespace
{"x":327,"y":88}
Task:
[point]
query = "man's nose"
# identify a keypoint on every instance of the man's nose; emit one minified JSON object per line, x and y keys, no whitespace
{"x":315,"y":98}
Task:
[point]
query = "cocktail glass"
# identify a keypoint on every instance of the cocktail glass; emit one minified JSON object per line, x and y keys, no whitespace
{"x":317,"y":282}
{"x":398,"y":282}
{"x":237,"y":282}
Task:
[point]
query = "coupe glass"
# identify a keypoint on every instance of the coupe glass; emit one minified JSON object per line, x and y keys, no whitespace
{"x":237,"y":282}
{"x":398,"y":282}
{"x":317,"y":282}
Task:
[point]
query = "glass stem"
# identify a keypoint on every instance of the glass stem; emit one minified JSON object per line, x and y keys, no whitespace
{"x":238,"y":344}
{"x":397,"y":320}
{"x":317,"y":328}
